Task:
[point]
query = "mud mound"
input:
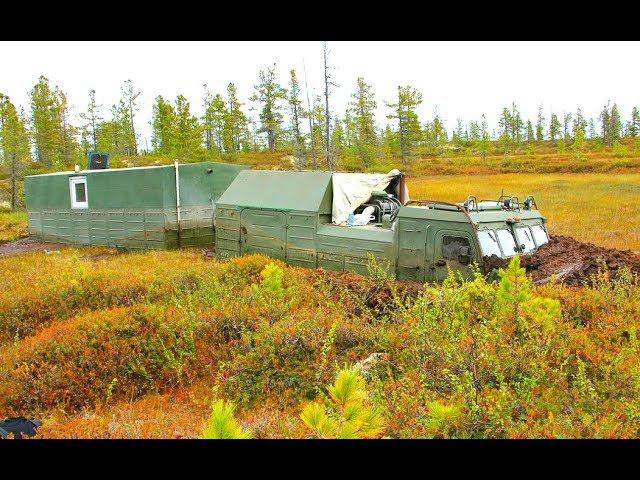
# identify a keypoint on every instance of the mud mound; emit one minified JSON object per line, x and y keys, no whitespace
{"x":376,"y":295}
{"x":571,"y":261}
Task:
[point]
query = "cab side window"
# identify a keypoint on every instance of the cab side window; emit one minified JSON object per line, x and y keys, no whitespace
{"x":456,"y":248}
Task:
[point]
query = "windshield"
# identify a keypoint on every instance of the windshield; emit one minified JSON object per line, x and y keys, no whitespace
{"x":489,"y":243}
{"x":507,"y":242}
{"x":526,"y":239}
{"x":539,"y":235}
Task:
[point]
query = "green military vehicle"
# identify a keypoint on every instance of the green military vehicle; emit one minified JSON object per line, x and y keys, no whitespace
{"x":331,"y":220}
{"x":299,"y":217}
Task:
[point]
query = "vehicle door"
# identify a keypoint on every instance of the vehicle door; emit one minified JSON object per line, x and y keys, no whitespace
{"x":263,"y":231}
{"x":455,"y":250}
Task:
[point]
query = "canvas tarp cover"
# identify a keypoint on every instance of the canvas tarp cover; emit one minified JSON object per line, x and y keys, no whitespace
{"x":350,"y":190}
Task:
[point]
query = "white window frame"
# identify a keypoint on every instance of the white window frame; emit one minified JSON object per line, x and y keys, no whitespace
{"x":73,"y":181}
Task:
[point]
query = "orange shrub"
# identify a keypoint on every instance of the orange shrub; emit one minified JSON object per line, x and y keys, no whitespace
{"x":115,"y":353}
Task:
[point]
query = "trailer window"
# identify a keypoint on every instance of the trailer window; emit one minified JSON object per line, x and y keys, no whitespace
{"x":451,"y":247}
{"x":507,"y":242}
{"x":539,"y":235}
{"x":78,"y":190}
{"x":525,"y":238}
{"x":489,"y":243}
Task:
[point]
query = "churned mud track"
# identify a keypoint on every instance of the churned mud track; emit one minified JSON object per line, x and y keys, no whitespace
{"x":572,"y":262}
{"x":26,"y":244}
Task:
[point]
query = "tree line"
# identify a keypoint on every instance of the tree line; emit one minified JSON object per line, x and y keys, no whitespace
{"x":279,"y":117}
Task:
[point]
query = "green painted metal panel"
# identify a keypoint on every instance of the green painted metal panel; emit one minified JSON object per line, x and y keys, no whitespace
{"x":348,"y":248}
{"x":130,"y":207}
{"x":263,"y":231}
{"x":301,"y":241}
{"x":412,"y":249}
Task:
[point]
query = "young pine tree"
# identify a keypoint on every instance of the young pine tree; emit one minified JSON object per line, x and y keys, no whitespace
{"x":235,"y":122}
{"x":162,"y":123}
{"x":187,"y":131}
{"x":297,"y":113}
{"x":404,"y":111}
{"x":540,"y":125}
{"x":362,"y":108}
{"x":554,"y":128}
{"x":269,"y":93}
{"x":14,"y":146}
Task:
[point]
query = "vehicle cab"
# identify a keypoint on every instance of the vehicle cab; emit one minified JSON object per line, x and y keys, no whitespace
{"x":435,"y":237}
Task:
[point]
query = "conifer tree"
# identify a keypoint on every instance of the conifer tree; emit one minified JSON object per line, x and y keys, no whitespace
{"x":633,"y":129}
{"x":579,"y":122}
{"x":269,"y":93}
{"x":362,"y":108}
{"x":517,"y":124}
{"x":404,"y":111}
{"x":45,"y":123}
{"x":14,"y":146}
{"x":128,"y":112}
{"x":186,"y":131}
{"x":235,"y":122}
{"x":540,"y":125}
{"x":566,"y":122}
{"x":485,"y":137}
{"x":505,"y":123}
{"x":162,"y":126}
{"x":616,"y":123}
{"x":554,"y":128}
{"x":297,"y":112}
{"x":213,"y":121}
{"x":92,"y":118}
{"x":530,"y":133}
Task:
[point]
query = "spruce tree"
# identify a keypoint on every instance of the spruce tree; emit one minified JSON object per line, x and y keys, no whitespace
{"x":554,"y":128}
{"x":362,"y":107}
{"x":162,"y":123}
{"x":235,"y":122}
{"x":297,"y":112}
{"x":404,"y":111}
{"x":14,"y":146}
{"x":540,"y":125}
{"x":269,"y":93}
{"x":633,"y":129}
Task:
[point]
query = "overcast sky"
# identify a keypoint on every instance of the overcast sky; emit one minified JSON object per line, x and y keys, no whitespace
{"x":460,"y":79}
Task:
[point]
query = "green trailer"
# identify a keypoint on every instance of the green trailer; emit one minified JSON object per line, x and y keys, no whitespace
{"x":136,"y":208}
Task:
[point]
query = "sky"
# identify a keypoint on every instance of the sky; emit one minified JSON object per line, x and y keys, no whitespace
{"x":456,"y":79}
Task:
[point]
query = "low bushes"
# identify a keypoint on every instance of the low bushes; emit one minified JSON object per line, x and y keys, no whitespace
{"x":118,"y":353}
{"x":466,"y":359}
{"x":39,"y":288}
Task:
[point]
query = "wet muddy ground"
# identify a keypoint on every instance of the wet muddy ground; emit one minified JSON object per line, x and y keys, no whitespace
{"x":572,"y":262}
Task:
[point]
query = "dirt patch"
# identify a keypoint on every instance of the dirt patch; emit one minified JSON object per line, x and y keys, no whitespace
{"x":571,"y":261}
{"x":375,"y":295}
{"x":27,"y":244}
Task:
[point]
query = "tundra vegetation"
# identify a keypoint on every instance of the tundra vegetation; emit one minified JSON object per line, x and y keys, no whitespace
{"x":170,"y":344}
{"x":103,"y":344}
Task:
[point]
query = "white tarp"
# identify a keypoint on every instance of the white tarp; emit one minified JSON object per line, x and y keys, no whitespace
{"x":350,"y":190}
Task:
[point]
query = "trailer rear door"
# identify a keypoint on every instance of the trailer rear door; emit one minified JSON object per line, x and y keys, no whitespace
{"x":263,"y":231}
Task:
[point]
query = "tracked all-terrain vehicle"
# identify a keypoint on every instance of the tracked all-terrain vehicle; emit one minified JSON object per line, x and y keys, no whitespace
{"x":314,"y":219}
{"x":299,"y":217}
